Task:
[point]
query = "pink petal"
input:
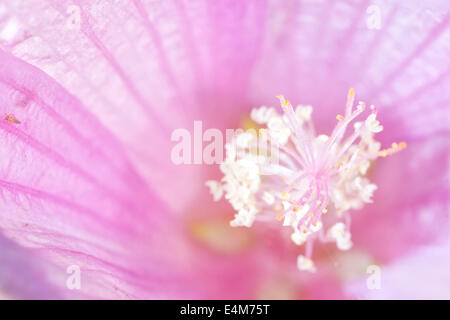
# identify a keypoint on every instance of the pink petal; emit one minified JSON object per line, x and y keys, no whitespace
{"x":427,"y":277}
{"x":27,"y":282}
{"x":68,"y":191}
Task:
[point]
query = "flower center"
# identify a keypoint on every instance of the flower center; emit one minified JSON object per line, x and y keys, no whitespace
{"x":304,"y":176}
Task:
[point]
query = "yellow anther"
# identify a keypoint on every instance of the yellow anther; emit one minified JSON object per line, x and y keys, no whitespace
{"x":12,"y":119}
{"x":279,"y":217}
{"x":396,"y":147}
{"x":297,"y":208}
{"x":284,"y":195}
{"x":360,"y":106}
{"x":351,"y":93}
{"x":311,"y":214}
{"x":339,"y":117}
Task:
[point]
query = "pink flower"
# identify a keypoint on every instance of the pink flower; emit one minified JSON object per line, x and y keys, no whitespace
{"x":92,"y":90}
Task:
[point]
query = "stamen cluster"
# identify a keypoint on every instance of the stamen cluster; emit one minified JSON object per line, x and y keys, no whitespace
{"x":314,"y":175}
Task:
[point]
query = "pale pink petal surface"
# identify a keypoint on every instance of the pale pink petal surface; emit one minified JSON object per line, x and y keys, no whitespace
{"x":427,"y":277}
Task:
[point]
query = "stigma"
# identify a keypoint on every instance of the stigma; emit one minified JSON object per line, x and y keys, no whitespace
{"x":288,"y":174}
